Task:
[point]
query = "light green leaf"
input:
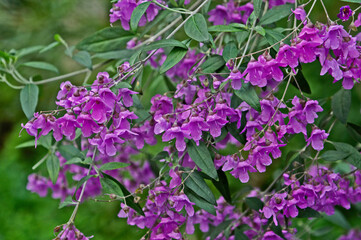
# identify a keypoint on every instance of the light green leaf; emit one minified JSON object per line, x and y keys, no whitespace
{"x":276,"y":13}
{"x":257,"y":5}
{"x":69,"y":152}
{"x":29,"y":50}
{"x":260,"y":30}
{"x":174,"y":57}
{"x":212,"y":64}
{"x":273,"y":37}
{"x":224,"y":28}
{"x":84,"y":58}
{"x":53,"y":166}
{"x":230,"y":51}
{"x":352,"y":1}
{"x":196,"y":28}
{"x":67,"y":202}
{"x":42,"y":66}
{"x":202,"y":158}
{"x":164,"y":43}
{"x":137,"y":14}
{"x":120,"y":54}
{"x":29,"y":99}
{"x":113,"y":165}
{"x":50,"y":46}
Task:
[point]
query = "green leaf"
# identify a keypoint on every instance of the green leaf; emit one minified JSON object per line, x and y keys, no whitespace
{"x":53,"y":166}
{"x":174,"y":57}
{"x":235,"y":132}
{"x":41,"y":65}
{"x":230,"y":51}
{"x":223,"y":186}
{"x":276,"y":13}
{"x":74,"y":160}
{"x":30,"y":143}
{"x":355,"y":131}
{"x":308,"y":213}
{"x":113,"y":165}
{"x":254,"y":203}
{"x":224,"y":28}
{"x":202,"y":158}
{"x":215,"y":231}
{"x":199,"y":202}
{"x":260,"y":30}
{"x":29,"y":99}
{"x":257,"y":5}
{"x":273,"y":37}
{"x":161,"y":155}
{"x":352,"y":1}
{"x":67,"y":202}
{"x":164,"y":43}
{"x":277,"y":230}
{"x":333,"y":155}
{"x":196,"y":28}
{"x":130,"y":199}
{"x":341,"y":103}
{"x":238,"y":233}
{"x":212,"y":64}
{"x":338,"y":219}
{"x":108,"y":39}
{"x":29,"y":50}
{"x":354,"y":157}
{"x":111,"y":186}
{"x":248,"y":94}
{"x":50,"y":46}
{"x":196,"y":183}
{"x":137,"y":14}
{"x":119,"y":54}
{"x":84,"y":58}
{"x":69,"y":152}
{"x":301,"y":81}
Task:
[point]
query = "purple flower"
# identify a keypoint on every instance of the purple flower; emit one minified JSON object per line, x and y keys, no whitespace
{"x":176,"y":180}
{"x":345,"y":13}
{"x":241,"y":171}
{"x":89,"y":126}
{"x":310,"y":110}
{"x":358,"y":20}
{"x":215,"y":123}
{"x":108,"y":145}
{"x":38,"y":184}
{"x":179,"y":135}
{"x":219,"y":15}
{"x":332,"y":66}
{"x":317,"y":138}
{"x":67,"y":125}
{"x":70,"y":232}
{"x":125,"y":94}
{"x":182,"y":201}
{"x":98,"y":108}
{"x":195,"y":126}
{"x":288,"y":56}
{"x":300,"y":13}
{"x":271,"y":236}
{"x":236,"y":77}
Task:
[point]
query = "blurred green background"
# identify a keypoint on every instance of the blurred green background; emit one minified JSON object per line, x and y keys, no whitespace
{"x":24,"y":215}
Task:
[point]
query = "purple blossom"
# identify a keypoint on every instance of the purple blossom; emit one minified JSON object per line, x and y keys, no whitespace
{"x":98,"y":109}
{"x":310,"y":110}
{"x":70,"y":232}
{"x":345,"y":13}
{"x":195,"y":126}
{"x":358,"y":20}
{"x":317,"y":138}
{"x":38,"y":184}
{"x":125,"y":94}
{"x":180,"y":201}
{"x":179,"y":135}
{"x":67,"y":125}
{"x":215,"y":123}
{"x":300,"y":13}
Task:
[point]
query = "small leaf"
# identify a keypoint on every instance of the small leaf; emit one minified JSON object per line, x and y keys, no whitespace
{"x":29,"y":99}
{"x":276,"y":13}
{"x":352,"y":1}
{"x":338,"y":219}
{"x":212,"y":64}
{"x":30,"y":143}
{"x":67,"y":202}
{"x":248,"y":94}
{"x":301,"y":81}
{"x":333,"y":155}
{"x":41,"y":65}
{"x":355,"y":131}
{"x":257,"y":5}
{"x":110,"y":186}
{"x":160,"y":156}
{"x":202,"y":158}
{"x":223,"y":186}
{"x":196,"y":28}
{"x":53,"y":166}
{"x":130,"y":199}
{"x":254,"y":203}
{"x":308,"y":213}
{"x":230,"y":51}
{"x":174,"y":57}
{"x":196,"y":183}
{"x":354,"y":157}
{"x":113,"y":165}
{"x":199,"y":202}
{"x":239,"y":235}
{"x":164,"y":43}
{"x":137,"y":14}
{"x":84,"y":58}
{"x":105,"y":40}
{"x":29,"y":50}
{"x":273,"y":37}
{"x":224,"y":28}
{"x":69,"y":152}
{"x":260,"y":30}
{"x":50,"y":46}
{"x":119,"y":54}
{"x":74,"y":160}
{"x":341,"y":103}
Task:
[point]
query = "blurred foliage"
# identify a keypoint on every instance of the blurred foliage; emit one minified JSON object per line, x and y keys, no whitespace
{"x":24,"y":215}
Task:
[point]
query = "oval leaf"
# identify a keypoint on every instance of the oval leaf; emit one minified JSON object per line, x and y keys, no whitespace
{"x":249,"y":95}
{"x":212,"y":64}
{"x":113,"y":165}
{"x":41,"y":65}
{"x":29,"y":99}
{"x":83,"y":58}
{"x":53,"y":166}
{"x":164,"y":43}
{"x":174,"y":57}
{"x":230,"y":51}
{"x":196,"y":28}
{"x":137,"y":14}
{"x":276,"y":13}
{"x":199,"y":202}
{"x":197,"y":184}
{"x":341,"y":103}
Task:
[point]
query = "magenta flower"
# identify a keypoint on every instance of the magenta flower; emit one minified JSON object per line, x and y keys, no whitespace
{"x":38,"y":184}
{"x":219,"y":15}
{"x":108,"y":145}
{"x":179,"y":135}
{"x":345,"y":13}
{"x":300,"y":13}
{"x":89,"y":126}
{"x":182,"y":201}
{"x":70,"y":232}
{"x":241,"y":171}
{"x":358,"y":20}
{"x":333,"y":67}
{"x":98,"y":109}
{"x":195,"y":126}
{"x":67,"y":125}
{"x":310,"y":110}
{"x":236,"y":79}
{"x":317,"y":138}
{"x":215,"y":123}
{"x":125,"y":94}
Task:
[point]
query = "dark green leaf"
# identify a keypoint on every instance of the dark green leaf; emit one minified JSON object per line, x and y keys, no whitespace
{"x":352,"y":1}
{"x":224,"y":28}
{"x":354,"y":157}
{"x":113,"y":165}
{"x":53,"y":166}
{"x":41,"y":65}
{"x":355,"y":131}
{"x":214,"y":232}
{"x":160,"y":156}
{"x":196,"y":28}
{"x":29,"y":99}
{"x":223,"y":186}
{"x":137,"y":14}
{"x":338,"y":219}
{"x":196,"y":183}
{"x":254,"y":203}
{"x":174,"y":57}
{"x":308,"y":213}
{"x":230,"y":51}
{"x":273,"y":37}
{"x":301,"y":82}
{"x":200,"y":202}
{"x":333,"y":155}
{"x":212,"y":64}
{"x":240,"y":235}
{"x":235,"y":132}
{"x":248,"y":94}
{"x":130,"y":199}
{"x":277,"y":230}
{"x":111,"y":186}
{"x":257,"y":5}
{"x":108,"y":39}
{"x":67,"y":202}
{"x":69,"y":152}
{"x":84,"y":58}
{"x":341,"y":103}
{"x":164,"y":43}
{"x":276,"y":13}
{"x":120,"y":54}
{"x":202,"y":158}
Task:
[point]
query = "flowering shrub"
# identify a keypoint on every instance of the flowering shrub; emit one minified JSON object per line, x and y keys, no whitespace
{"x":219,"y":112}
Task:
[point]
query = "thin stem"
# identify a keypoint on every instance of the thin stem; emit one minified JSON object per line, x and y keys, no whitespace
{"x":40,"y":161}
{"x":3,"y":79}
{"x":177,"y":10}
{"x":324,"y":8}
{"x":246,"y":48}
